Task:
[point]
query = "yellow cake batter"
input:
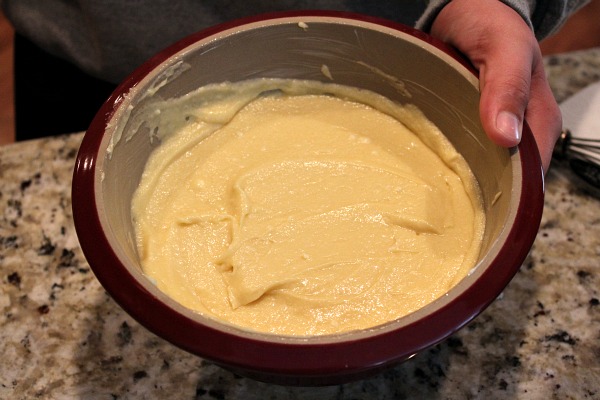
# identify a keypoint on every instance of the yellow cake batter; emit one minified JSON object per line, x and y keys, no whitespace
{"x":300,"y":212}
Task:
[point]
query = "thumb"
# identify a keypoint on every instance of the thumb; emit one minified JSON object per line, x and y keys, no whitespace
{"x":512,"y":80}
{"x":501,"y":49}
{"x":512,"y":92}
{"x":505,"y":92}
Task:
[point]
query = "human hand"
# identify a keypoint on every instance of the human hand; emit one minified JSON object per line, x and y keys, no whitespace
{"x":513,"y":83}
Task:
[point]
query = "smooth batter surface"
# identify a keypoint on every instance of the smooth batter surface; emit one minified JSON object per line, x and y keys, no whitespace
{"x":303,"y":214}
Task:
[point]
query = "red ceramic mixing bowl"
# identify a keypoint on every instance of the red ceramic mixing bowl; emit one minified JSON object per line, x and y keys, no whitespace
{"x":391,"y":59}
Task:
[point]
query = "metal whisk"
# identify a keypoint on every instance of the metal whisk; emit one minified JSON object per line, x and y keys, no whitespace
{"x":582,"y":154}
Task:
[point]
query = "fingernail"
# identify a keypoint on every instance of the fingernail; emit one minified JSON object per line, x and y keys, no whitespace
{"x":509,"y":125}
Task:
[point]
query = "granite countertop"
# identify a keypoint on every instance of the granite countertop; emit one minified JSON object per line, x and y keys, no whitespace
{"x":62,"y":336}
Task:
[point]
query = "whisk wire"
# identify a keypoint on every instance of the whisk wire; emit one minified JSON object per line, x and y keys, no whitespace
{"x":569,"y":146}
{"x":582,"y":154}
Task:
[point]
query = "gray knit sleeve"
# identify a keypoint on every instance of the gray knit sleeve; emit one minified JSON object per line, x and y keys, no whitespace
{"x":543,"y":17}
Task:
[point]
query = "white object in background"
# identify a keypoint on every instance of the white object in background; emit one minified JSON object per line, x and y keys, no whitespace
{"x":581,"y":112}
{"x":581,"y":117}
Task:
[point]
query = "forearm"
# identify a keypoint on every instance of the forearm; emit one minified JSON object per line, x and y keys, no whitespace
{"x":543,"y":17}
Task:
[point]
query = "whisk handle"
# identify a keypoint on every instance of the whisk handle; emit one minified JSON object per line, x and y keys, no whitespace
{"x":562,"y":145}
{"x":586,"y":170}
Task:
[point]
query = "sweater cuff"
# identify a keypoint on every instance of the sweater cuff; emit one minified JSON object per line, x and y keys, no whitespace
{"x":525,"y":8}
{"x":543,"y":17}
{"x":434,"y":7}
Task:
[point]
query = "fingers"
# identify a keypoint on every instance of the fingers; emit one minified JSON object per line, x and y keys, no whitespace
{"x":543,"y":116}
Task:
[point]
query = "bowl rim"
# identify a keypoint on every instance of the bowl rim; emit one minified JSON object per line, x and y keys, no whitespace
{"x":305,"y":359}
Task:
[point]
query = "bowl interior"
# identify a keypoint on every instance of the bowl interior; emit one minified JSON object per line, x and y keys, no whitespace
{"x":389,"y":62}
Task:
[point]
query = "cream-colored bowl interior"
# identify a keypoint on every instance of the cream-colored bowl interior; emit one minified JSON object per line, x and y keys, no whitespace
{"x":357,"y":53}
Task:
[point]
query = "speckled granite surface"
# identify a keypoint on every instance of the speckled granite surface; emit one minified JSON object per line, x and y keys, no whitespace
{"x":62,"y":336}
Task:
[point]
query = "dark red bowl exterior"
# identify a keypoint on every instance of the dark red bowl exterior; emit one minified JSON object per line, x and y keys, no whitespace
{"x":294,"y":362}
